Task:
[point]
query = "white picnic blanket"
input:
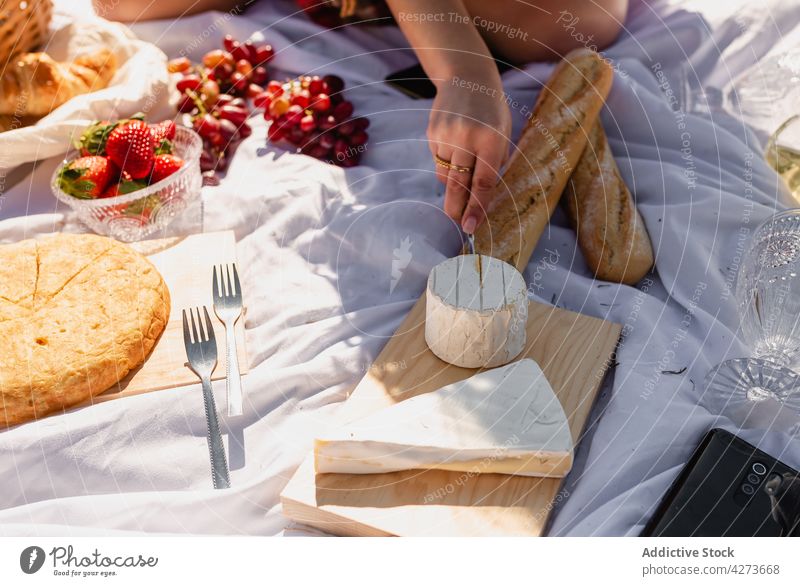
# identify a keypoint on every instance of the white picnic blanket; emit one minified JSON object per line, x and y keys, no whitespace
{"x":316,"y":250}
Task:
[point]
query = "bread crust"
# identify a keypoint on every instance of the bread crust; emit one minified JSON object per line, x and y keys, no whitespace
{"x":34,"y":84}
{"x":78,"y":312}
{"x":546,"y":155}
{"x":611,"y":233}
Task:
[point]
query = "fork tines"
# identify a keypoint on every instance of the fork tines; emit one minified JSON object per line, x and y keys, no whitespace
{"x":200,"y":336}
{"x":226,"y":289}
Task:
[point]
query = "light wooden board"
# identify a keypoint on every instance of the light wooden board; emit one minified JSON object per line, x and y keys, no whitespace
{"x":574,"y":352}
{"x":186,"y":265}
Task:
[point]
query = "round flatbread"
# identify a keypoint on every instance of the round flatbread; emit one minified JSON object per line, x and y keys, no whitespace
{"x":77,"y":313}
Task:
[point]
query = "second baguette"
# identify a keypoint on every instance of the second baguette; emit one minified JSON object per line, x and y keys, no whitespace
{"x":547,"y":153}
{"x":611,"y":233}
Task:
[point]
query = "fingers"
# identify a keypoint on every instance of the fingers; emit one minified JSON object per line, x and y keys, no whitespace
{"x":484,"y":181}
{"x":458,"y":184}
{"x":445,"y":153}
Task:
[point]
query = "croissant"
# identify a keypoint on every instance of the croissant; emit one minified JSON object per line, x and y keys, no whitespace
{"x":35,"y":84}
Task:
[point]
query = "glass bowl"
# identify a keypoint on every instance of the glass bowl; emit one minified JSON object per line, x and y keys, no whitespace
{"x":134,"y":216}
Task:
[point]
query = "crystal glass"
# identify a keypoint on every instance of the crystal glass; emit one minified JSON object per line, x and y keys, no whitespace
{"x":767,"y":91}
{"x":136,"y":215}
{"x":764,"y":391}
{"x":783,"y":154}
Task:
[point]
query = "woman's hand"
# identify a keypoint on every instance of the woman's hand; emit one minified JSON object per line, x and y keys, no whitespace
{"x":469,"y":127}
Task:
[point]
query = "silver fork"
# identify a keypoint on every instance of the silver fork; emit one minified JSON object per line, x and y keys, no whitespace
{"x":201,"y":350}
{"x":228,"y":307}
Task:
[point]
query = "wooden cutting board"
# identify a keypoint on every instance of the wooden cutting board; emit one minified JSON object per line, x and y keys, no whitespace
{"x":573,"y":351}
{"x":186,"y":265}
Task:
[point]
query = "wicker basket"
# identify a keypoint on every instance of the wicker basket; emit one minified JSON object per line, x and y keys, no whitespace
{"x":23,"y":25}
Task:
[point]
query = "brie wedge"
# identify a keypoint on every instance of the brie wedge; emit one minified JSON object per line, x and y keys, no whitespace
{"x":476,"y":311}
{"x":506,"y":420}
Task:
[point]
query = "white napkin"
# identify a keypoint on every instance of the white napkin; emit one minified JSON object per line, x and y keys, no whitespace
{"x":140,"y":84}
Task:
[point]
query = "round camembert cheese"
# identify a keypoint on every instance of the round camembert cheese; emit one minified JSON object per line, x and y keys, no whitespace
{"x":476,"y":311}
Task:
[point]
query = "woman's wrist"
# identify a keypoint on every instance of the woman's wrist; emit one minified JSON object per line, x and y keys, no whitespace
{"x":475,"y":73}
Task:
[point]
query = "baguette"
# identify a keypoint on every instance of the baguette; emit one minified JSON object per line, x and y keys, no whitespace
{"x":611,"y":233}
{"x":547,"y":153}
{"x":35,"y":84}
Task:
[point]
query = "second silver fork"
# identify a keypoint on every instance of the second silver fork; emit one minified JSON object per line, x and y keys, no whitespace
{"x":228,"y":307}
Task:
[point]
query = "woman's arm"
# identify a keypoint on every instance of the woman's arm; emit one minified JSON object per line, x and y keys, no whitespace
{"x":135,"y":10}
{"x":470,"y":122}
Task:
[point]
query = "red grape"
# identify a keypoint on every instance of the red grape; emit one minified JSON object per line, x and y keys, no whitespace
{"x":217,"y":57}
{"x":264,"y":54}
{"x":207,"y":126}
{"x":334,"y":82}
{"x":259,"y":75}
{"x":301,"y":98}
{"x":227,"y":130}
{"x":326,"y":122}
{"x":321,"y":103}
{"x":245,"y":130}
{"x":207,"y":161}
{"x":238,"y":102}
{"x":347,"y":128}
{"x":351,"y":161}
{"x":275,"y":88}
{"x":239,"y":82}
{"x":239,"y":52}
{"x":307,"y":123}
{"x":224,"y":99}
{"x":262,"y":100}
{"x":254,"y":90}
{"x":278,"y":107}
{"x":243,"y":66}
{"x":293,"y":115}
{"x":275,"y":132}
{"x":295,"y":135}
{"x":229,"y":43}
{"x":186,"y":104}
{"x":358,"y":138}
{"x":223,"y":71}
{"x":251,"y":52}
{"x":340,"y":148}
{"x":190,"y":82}
{"x":328,"y":140}
{"x":361,"y":123}
{"x":343,"y":111}
{"x":317,"y":86}
{"x":211,"y":92}
{"x":319,"y":152}
{"x":234,"y":114}
{"x":178,"y":65}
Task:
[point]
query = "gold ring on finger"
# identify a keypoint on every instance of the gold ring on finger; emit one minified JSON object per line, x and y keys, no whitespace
{"x":448,"y":165}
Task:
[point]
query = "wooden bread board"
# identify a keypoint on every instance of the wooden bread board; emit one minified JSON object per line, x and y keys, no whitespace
{"x":573,"y":351}
{"x":186,"y":266}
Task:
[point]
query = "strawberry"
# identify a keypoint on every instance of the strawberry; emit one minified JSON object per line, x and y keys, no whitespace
{"x":87,"y":177}
{"x":131,"y":147}
{"x":163,"y":134}
{"x":121,"y":188}
{"x":163,"y":130}
{"x":164,"y":166}
{"x":93,"y":139}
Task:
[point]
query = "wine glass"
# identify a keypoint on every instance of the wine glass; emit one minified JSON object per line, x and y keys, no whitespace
{"x":764,"y":391}
{"x":783,"y":154}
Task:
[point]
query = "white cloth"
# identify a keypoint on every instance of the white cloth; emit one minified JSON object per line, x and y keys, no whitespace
{"x":316,"y":245}
{"x":139,"y":85}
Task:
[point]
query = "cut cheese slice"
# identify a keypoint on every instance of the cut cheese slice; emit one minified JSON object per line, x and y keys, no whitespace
{"x":476,"y":311}
{"x":506,"y":420}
